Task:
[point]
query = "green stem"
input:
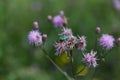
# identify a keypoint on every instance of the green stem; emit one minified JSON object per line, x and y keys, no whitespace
{"x":63,"y":72}
{"x":72,"y":67}
{"x":104,"y":54}
{"x":96,"y":39}
{"x":93,"y":75}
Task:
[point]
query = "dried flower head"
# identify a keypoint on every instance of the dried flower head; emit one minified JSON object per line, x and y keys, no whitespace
{"x":70,"y":43}
{"x":35,"y":37}
{"x":81,"y":42}
{"x":107,"y":41}
{"x":90,"y":59}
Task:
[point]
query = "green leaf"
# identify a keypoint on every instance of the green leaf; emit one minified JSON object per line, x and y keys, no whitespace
{"x":82,"y":70}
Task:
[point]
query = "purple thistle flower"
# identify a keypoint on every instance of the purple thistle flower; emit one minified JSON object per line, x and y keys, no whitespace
{"x":67,"y":32}
{"x":35,"y":37}
{"x":81,"y":42}
{"x":107,"y":41}
{"x":90,"y":59}
{"x":60,"y":47}
{"x":64,"y":46}
{"x":58,"y":21}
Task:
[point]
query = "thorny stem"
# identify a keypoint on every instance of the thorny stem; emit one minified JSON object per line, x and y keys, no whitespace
{"x":63,"y":72}
{"x":72,"y":67}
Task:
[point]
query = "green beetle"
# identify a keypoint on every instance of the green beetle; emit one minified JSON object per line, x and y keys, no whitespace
{"x":63,"y":37}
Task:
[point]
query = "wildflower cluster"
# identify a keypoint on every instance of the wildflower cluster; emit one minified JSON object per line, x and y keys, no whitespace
{"x":67,"y":42}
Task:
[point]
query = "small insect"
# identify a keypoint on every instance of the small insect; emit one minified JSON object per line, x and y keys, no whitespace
{"x":63,"y":37}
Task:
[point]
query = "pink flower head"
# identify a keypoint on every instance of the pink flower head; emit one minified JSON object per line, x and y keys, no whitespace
{"x":81,"y":42}
{"x":90,"y":59}
{"x":67,"y":32}
{"x":35,"y":37}
{"x":58,"y":21}
{"x":107,"y":41}
{"x":60,"y":47}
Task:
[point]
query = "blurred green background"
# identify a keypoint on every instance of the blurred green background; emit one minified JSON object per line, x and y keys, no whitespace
{"x":20,"y":61}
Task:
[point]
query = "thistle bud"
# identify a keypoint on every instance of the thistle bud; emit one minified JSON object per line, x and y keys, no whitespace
{"x":44,"y":37}
{"x":118,"y":40}
{"x":49,"y":17}
{"x":62,"y":13}
{"x":98,"y":30}
{"x":36,"y":26}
